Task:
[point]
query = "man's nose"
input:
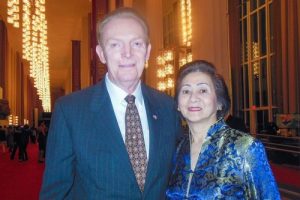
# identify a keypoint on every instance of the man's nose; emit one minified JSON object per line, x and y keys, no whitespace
{"x":127,"y":51}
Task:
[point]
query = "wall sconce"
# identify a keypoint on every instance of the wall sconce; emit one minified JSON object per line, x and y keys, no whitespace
{"x":26,"y":121}
{"x":10,"y":120}
{"x":165,"y":71}
{"x":255,"y":56}
{"x":16,"y":120}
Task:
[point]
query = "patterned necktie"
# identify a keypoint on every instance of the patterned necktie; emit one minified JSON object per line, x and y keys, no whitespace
{"x":134,"y":141}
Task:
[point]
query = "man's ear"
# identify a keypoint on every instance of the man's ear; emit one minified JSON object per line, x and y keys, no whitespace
{"x":100,"y":54}
{"x":148,"y":52}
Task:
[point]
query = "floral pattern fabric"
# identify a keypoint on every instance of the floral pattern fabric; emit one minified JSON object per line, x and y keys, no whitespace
{"x":231,"y":165}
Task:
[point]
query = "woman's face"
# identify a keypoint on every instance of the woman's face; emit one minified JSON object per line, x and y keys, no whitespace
{"x":197,"y":99}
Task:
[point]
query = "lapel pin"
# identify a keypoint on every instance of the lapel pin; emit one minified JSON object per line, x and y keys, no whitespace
{"x":154,"y":117}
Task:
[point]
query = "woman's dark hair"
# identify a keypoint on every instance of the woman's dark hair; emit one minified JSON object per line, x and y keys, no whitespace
{"x":221,"y":90}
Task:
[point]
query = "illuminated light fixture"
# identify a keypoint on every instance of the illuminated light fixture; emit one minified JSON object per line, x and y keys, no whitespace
{"x":34,"y":43}
{"x":186,"y":22}
{"x":10,"y":120}
{"x":16,"y":120}
{"x":160,"y":60}
{"x":255,"y":56}
{"x":168,"y":55}
{"x":26,"y":121}
{"x":161,"y":85}
{"x":13,"y":13}
{"x":161,"y":73}
{"x":165,"y":72}
{"x":169,"y":69}
{"x":186,"y":32}
{"x":170,"y":83}
{"x":35,"y":49}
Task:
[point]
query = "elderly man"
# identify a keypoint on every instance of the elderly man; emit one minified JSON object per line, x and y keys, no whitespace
{"x":114,"y":140}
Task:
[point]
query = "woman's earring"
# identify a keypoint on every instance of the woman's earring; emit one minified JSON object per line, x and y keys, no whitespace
{"x":146,"y":64}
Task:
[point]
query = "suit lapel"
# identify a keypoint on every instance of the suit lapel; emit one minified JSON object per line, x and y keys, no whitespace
{"x":155,"y":125}
{"x":106,"y":124}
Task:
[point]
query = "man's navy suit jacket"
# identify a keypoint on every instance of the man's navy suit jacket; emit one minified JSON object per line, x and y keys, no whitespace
{"x":86,"y":157}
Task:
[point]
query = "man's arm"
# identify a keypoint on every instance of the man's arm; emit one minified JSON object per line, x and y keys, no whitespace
{"x":59,"y":172}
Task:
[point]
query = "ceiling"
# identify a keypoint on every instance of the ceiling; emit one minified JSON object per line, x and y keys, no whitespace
{"x":64,"y":19}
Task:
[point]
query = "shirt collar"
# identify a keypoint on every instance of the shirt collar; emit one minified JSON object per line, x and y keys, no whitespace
{"x":119,"y":94}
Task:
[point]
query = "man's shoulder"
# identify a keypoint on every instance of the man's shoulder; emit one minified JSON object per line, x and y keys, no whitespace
{"x":78,"y":96}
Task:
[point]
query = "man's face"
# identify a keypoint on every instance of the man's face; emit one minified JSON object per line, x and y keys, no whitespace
{"x":124,"y":50}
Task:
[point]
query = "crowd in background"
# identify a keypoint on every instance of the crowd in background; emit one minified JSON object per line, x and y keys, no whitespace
{"x":16,"y":139}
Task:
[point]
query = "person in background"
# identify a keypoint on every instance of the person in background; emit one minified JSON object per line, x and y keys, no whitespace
{"x":42,"y":141}
{"x":17,"y":143}
{"x":215,"y":161}
{"x":33,"y":134}
{"x":10,"y":138}
{"x":2,"y":139}
{"x":113,"y":140}
{"x":24,"y":139}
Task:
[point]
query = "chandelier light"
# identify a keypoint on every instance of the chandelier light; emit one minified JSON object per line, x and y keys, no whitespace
{"x":165,"y":72}
{"x":34,"y":43}
{"x":13,"y":13}
{"x":186,"y":32}
{"x":255,"y":56}
{"x":186,"y":22}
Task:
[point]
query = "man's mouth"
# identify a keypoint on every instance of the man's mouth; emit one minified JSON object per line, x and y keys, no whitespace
{"x":126,"y":65}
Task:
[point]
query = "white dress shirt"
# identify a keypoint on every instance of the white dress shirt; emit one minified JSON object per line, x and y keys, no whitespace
{"x":117,"y":97}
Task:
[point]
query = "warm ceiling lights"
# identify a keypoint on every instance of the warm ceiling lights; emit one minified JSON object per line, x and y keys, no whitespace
{"x":186,"y":32}
{"x":35,"y":49}
{"x":165,"y":61}
{"x":13,"y":13}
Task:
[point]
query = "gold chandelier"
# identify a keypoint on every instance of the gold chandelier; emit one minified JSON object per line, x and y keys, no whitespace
{"x":34,"y":47}
{"x":169,"y":59}
{"x":13,"y":16}
{"x":165,"y":62}
{"x":185,"y":54}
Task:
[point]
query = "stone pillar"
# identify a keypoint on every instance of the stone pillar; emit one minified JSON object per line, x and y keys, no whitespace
{"x":76,"y":81}
{"x":99,"y":9}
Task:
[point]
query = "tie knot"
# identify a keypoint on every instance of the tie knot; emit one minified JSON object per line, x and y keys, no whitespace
{"x":130,"y":99}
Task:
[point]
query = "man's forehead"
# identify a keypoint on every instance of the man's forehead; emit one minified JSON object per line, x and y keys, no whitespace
{"x":121,"y":20}
{"x":118,"y":30}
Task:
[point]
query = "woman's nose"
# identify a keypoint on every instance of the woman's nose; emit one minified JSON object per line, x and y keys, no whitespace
{"x":194,"y":97}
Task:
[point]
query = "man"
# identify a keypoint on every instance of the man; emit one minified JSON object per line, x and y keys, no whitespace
{"x":89,"y":150}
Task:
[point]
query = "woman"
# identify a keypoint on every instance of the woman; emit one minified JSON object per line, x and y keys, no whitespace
{"x":215,"y":161}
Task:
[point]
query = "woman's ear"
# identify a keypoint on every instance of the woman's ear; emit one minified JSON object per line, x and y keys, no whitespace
{"x":219,"y":107}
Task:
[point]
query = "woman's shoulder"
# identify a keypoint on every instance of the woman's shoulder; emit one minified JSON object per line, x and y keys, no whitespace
{"x":240,"y":140}
{"x":236,"y":135}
